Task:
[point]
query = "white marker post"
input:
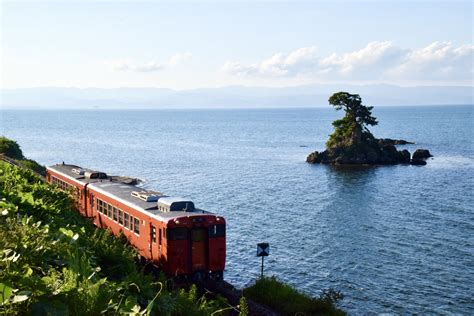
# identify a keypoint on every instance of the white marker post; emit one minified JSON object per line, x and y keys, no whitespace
{"x":263,"y":250}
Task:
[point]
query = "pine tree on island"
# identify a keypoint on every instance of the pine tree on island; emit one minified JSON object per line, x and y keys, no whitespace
{"x":352,"y":128}
{"x":352,"y":143}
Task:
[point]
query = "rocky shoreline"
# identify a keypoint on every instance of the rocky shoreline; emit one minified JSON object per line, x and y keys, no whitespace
{"x":370,"y":152}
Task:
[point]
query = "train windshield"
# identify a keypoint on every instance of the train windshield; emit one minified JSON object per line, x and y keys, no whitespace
{"x":217,"y":230}
{"x":176,"y":233}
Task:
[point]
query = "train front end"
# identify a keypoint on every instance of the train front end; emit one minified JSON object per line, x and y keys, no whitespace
{"x":196,"y":242}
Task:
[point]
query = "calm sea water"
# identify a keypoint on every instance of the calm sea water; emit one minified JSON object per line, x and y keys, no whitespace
{"x":396,"y":239}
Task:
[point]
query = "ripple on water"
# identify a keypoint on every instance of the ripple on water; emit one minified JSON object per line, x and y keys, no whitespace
{"x":394,"y":240}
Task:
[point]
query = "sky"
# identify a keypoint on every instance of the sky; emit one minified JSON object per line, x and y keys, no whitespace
{"x":188,"y":45}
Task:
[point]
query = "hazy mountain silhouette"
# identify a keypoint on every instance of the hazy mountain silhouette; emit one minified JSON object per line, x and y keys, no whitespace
{"x":230,"y":97}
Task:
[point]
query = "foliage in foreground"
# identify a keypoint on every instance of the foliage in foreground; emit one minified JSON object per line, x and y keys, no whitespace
{"x":11,"y":149}
{"x":288,"y":301}
{"x":52,"y":261}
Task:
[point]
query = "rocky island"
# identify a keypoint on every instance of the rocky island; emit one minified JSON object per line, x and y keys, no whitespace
{"x":353,"y":144}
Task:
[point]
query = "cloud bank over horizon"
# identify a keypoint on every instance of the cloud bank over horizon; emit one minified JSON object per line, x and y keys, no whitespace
{"x":438,"y":61}
{"x":150,"y":66}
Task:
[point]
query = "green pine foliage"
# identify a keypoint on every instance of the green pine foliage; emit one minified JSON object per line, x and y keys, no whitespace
{"x":288,"y":301}
{"x":53,"y":261}
{"x":352,"y":128}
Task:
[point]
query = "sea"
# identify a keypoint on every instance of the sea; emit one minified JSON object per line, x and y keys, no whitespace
{"x":393,"y":239}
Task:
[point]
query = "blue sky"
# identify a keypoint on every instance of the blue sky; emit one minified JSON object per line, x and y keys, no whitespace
{"x":213,"y":44}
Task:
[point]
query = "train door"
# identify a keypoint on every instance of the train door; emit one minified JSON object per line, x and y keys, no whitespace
{"x":198,"y":249}
{"x":153,"y":242}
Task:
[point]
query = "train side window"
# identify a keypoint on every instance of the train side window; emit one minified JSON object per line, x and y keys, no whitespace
{"x":109,"y":210}
{"x":159,"y":236}
{"x":153,"y":234}
{"x":120,"y":217}
{"x":99,"y":205}
{"x":217,"y":230}
{"x":136,"y":226}
{"x":126,"y":221}
{"x":176,"y":233}
{"x":115,"y":214}
{"x":131,"y":223}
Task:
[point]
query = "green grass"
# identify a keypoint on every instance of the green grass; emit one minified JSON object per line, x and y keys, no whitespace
{"x":288,"y":301}
{"x":53,"y":261}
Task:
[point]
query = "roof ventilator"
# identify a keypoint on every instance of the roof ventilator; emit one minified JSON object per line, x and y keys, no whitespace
{"x":78,"y":171}
{"x":172,"y":204}
{"x":147,"y":196}
{"x":95,"y":175}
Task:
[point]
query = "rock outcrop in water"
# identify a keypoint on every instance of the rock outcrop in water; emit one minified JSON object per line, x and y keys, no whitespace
{"x":353,"y":144}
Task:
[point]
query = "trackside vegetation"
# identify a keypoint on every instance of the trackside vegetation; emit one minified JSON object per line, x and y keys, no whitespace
{"x":54,"y":262}
{"x":286,"y":300}
{"x":11,"y":149}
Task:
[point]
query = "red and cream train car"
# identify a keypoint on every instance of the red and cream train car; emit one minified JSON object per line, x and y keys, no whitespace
{"x":168,"y":231}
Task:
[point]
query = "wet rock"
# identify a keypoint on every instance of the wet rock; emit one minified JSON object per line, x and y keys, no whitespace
{"x":369,"y":152}
{"x":418,"y":162}
{"x":389,"y":141}
{"x":313,"y":158}
{"x":404,"y":156}
{"x":421,"y":154}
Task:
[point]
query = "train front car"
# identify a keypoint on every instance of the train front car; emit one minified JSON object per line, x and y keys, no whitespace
{"x":196,"y":241}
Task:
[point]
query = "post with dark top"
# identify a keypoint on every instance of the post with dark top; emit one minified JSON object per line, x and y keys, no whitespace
{"x":263,"y":250}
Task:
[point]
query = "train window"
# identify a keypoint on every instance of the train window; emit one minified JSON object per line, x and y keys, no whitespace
{"x":217,"y":230}
{"x":198,"y":235}
{"x":99,"y":205}
{"x":182,"y":206}
{"x":136,"y":226}
{"x":126,"y":220}
{"x":109,"y":210}
{"x":120,"y":217}
{"x":176,"y":233}
{"x":159,"y":236}
{"x":153,"y":234}
{"x":131,"y":222}
{"x":115,"y":214}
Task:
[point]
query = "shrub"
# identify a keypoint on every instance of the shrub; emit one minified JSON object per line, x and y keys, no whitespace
{"x":10,"y":148}
{"x":288,"y":301}
{"x":53,"y":261}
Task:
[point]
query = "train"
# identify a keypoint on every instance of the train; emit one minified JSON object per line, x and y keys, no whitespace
{"x":170,"y":232}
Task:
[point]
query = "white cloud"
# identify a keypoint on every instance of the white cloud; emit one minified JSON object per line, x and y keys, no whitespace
{"x":279,"y":64}
{"x":151,"y":66}
{"x":370,"y":61}
{"x":376,"y":61}
{"x":439,"y":60}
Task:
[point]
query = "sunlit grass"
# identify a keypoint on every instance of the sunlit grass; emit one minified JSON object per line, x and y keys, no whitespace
{"x":288,"y":301}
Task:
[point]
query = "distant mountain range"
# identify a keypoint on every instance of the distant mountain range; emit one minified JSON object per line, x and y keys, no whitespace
{"x":229,"y":97}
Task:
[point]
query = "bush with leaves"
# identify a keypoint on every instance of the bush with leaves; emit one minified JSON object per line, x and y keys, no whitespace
{"x":53,"y":261}
{"x":288,"y":301}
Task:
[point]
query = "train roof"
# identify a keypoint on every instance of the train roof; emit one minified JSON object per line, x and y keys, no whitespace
{"x":123,"y":193}
{"x":124,"y":190}
{"x":83,"y":175}
{"x":69,"y":171}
